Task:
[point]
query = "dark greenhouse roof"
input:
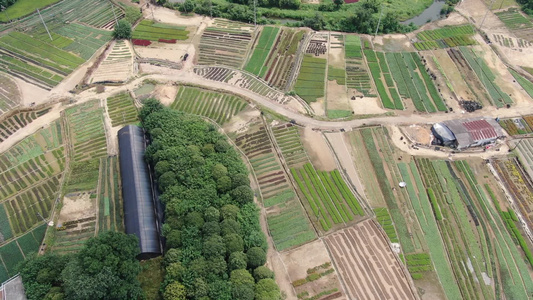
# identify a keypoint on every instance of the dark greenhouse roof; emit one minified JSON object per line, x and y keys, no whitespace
{"x":139,"y":209}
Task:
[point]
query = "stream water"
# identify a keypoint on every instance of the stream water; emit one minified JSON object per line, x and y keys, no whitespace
{"x":431,"y":13}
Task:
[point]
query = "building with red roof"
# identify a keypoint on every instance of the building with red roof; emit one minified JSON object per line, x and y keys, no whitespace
{"x":467,"y":133}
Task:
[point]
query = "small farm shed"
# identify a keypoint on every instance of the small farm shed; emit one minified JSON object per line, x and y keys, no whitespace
{"x":467,"y":133}
{"x":140,"y":216}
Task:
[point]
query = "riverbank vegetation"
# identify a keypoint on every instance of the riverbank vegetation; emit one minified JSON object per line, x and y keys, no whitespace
{"x":361,"y":17}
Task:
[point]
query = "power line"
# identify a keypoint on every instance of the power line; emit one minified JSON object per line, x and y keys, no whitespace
{"x":379,"y":21}
{"x":45,"y":25}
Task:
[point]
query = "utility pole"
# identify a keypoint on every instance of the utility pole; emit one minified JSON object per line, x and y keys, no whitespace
{"x":45,"y":25}
{"x":379,"y":21}
{"x":255,"y":13}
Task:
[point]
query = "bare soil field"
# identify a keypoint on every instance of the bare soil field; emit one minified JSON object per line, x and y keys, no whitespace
{"x":337,"y":96}
{"x":77,"y":207}
{"x":165,"y":93}
{"x":392,"y":43}
{"x":366,"y":106}
{"x":441,"y":81}
{"x":453,"y":74}
{"x":300,"y":261}
{"x":367,"y":266}
{"x":118,"y":66}
{"x":317,"y":149}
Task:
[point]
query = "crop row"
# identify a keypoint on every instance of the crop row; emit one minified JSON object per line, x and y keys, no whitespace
{"x":87,"y":131}
{"x":220,"y":46}
{"x":264,"y":45}
{"x":378,"y":66}
{"x":281,"y":60}
{"x":310,"y":82}
{"x":18,"y":121}
{"x":288,"y":140}
{"x":513,"y":19}
{"x":149,"y":30}
{"x":446,"y":32}
{"x":14,"y":252}
{"x":217,"y":106}
{"x":121,"y":109}
{"x":109,"y":204}
{"x":526,"y":84}
{"x":483,"y":72}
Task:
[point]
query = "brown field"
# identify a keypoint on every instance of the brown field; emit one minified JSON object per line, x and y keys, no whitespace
{"x":367,"y":266}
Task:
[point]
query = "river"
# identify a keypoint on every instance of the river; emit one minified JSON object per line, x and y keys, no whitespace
{"x":431,"y":13}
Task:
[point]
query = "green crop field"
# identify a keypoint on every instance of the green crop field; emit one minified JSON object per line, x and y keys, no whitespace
{"x":449,"y":36}
{"x":378,"y":66}
{"x":330,"y":199}
{"x":513,"y":19}
{"x":122,"y":110}
{"x":150,"y":30}
{"x":14,"y":252}
{"x":287,"y":223}
{"x":15,"y":122}
{"x":524,"y":83}
{"x":357,"y":75}
{"x":225,"y":43}
{"x":288,"y":140}
{"x":87,"y":135}
{"x":486,"y":76}
{"x":216,"y":106}
{"x":29,"y":180}
{"x":22,"y":8}
{"x":310,"y":82}
{"x":109,"y":201}
{"x":256,"y":64}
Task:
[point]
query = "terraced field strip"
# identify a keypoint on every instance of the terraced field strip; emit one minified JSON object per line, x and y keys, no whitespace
{"x":256,"y":64}
{"x":517,"y":126}
{"x":73,"y":235}
{"x":34,"y":60}
{"x":88,"y":139}
{"x":152,"y":31}
{"x":367,"y":265}
{"x":516,"y":21}
{"x":109,"y":200}
{"x":465,"y":229}
{"x":97,"y":13}
{"x":419,"y":85}
{"x":14,"y":252}
{"x":516,"y":282}
{"x":403,"y":78}
{"x":524,"y":83}
{"x":225,"y":43}
{"x":13,"y":123}
{"x":281,"y":61}
{"x":378,"y":66}
{"x":484,"y":73}
{"x":328,"y":196}
{"x":220,"y":107}
{"x":418,"y":195}
{"x":448,"y":36}
{"x":9,"y":94}
{"x":29,"y":180}
{"x":287,"y":223}
{"x":310,"y":82}
{"x":288,"y":140}
{"x":430,"y":86}
{"x":357,"y":76}
{"x":122,"y":110}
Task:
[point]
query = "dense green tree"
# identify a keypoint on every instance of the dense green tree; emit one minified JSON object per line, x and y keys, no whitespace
{"x":175,"y":291}
{"x":316,"y":22}
{"x":240,"y":179}
{"x":243,"y":194}
{"x":229,"y":226}
{"x":267,"y":289}
{"x":237,"y":260}
{"x":263,"y":272}
{"x":212,"y":214}
{"x":173,"y":239}
{"x":224,"y":184}
{"x":242,"y":285}
{"x":338,"y":3}
{"x":122,"y":30}
{"x":217,"y":265}
{"x":172,"y":256}
{"x":229,"y":211}
{"x":256,"y":257}
{"x":105,"y":268}
{"x":175,"y":271}
{"x":220,"y":290}
{"x":194,"y":219}
{"x":234,"y":243}
{"x":211,"y":228}
{"x":41,"y":274}
{"x":213,"y":246}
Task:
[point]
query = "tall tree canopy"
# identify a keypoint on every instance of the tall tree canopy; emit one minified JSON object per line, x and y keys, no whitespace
{"x":211,"y":219}
{"x":105,"y":268}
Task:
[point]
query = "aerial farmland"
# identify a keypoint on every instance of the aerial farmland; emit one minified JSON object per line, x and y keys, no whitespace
{"x":356,"y":191}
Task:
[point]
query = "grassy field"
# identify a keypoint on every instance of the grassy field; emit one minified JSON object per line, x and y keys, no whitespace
{"x":524,"y":83}
{"x":216,"y":106}
{"x":310,"y":82}
{"x":23,"y":8}
{"x":449,"y":36}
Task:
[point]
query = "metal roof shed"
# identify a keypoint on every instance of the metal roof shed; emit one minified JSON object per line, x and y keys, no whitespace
{"x":139,"y":208}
